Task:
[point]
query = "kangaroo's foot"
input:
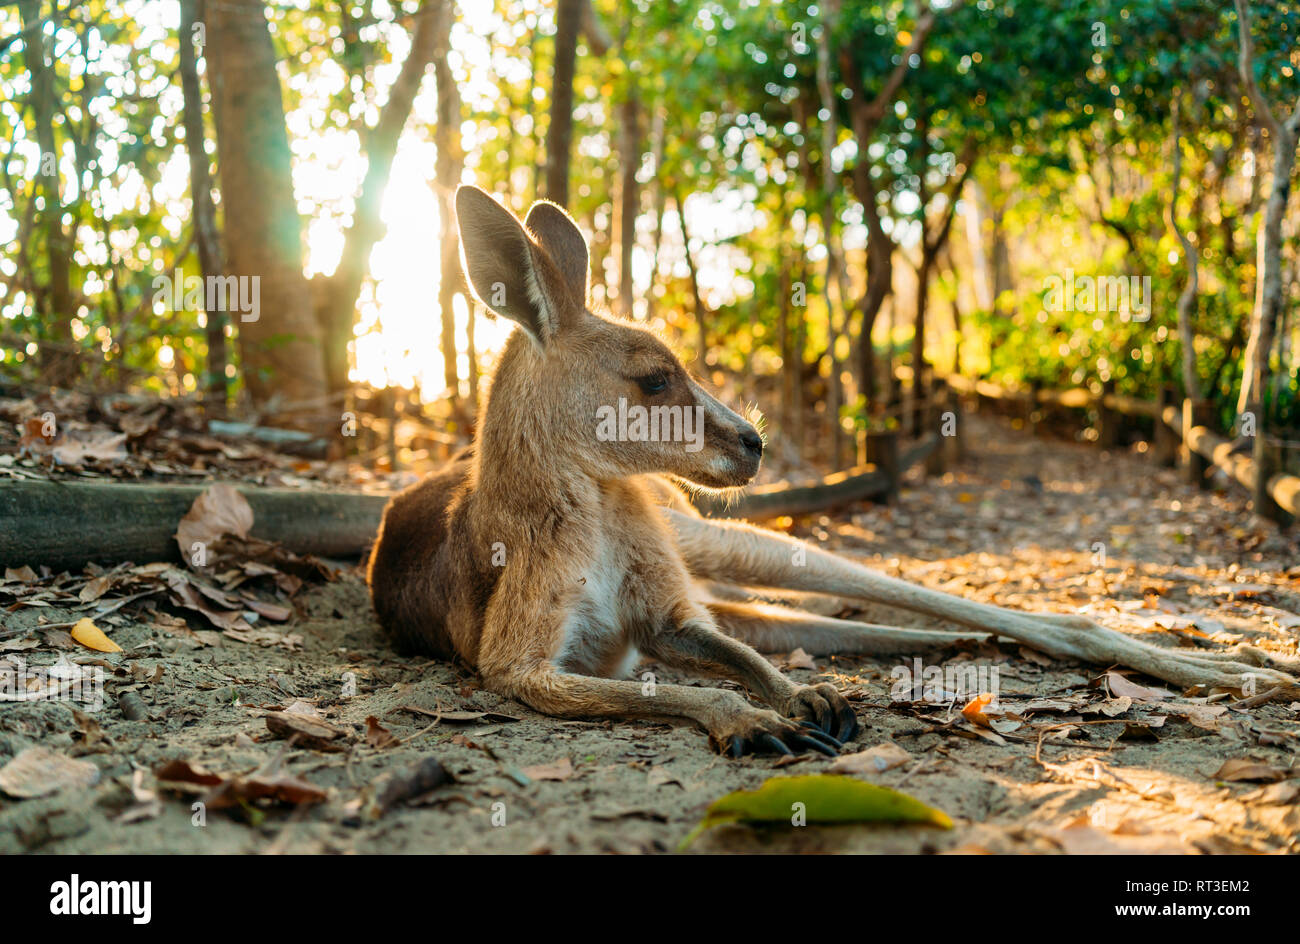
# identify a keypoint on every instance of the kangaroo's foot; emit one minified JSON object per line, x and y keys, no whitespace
{"x":695,"y":643}
{"x":761,"y":731}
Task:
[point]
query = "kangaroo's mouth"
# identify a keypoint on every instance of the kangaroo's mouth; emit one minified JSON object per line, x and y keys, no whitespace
{"x":726,"y":471}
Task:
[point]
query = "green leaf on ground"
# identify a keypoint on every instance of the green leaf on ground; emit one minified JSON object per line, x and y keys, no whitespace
{"x":817,"y":798}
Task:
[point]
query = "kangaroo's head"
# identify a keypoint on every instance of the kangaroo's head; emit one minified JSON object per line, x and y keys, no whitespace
{"x":605,"y":397}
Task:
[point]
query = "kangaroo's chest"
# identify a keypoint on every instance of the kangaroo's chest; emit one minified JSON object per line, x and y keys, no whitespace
{"x":604,"y":615}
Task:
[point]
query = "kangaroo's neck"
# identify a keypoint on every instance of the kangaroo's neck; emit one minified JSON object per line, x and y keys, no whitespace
{"x":523,"y":468}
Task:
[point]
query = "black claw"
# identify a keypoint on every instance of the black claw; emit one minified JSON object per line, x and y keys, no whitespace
{"x":848,"y":724}
{"x":737,"y":746}
{"x":808,"y":743}
{"x":774,"y":744}
{"x":818,"y":734}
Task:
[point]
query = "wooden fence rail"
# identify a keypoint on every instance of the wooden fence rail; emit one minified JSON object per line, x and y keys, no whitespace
{"x":874,"y":480}
{"x":1186,"y":421}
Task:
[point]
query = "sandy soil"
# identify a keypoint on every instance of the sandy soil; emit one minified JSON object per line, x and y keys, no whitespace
{"x":1018,"y":523}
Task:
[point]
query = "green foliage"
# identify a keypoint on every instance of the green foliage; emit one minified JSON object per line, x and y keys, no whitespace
{"x":1061,"y":108}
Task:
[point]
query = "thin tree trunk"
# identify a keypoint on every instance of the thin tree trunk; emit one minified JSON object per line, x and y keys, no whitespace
{"x":471,"y":358}
{"x":629,"y":198}
{"x":789,"y":369}
{"x":58,"y":362}
{"x":448,"y":164}
{"x":1187,"y":298}
{"x":1269,"y":294}
{"x":658,"y":141}
{"x":206,"y":237}
{"x":701,"y":313}
{"x":429,"y":40}
{"x":1270,"y":290}
{"x":834,"y":267}
{"x":559,"y":133}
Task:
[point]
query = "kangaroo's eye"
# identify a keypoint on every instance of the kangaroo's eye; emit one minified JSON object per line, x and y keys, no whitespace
{"x":653,"y":383}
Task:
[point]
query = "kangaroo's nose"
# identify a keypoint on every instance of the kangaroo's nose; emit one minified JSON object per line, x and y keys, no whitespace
{"x":752,"y":442}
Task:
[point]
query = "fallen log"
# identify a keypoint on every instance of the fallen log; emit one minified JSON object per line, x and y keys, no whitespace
{"x":63,"y":525}
{"x":1284,"y":489}
{"x":802,"y":498}
{"x":292,"y":442}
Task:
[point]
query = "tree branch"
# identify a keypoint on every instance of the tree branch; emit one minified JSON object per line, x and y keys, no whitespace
{"x":1246,"y":66}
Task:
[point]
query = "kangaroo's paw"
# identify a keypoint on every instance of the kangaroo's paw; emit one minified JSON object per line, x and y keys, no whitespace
{"x":1241,"y":667}
{"x":758,"y":731}
{"x":824,"y":706}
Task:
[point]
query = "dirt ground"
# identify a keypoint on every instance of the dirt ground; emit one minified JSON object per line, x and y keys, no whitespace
{"x":1028,"y":523}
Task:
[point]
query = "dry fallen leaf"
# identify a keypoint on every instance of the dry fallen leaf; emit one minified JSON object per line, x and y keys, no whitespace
{"x":799,"y":660}
{"x":1242,"y":769}
{"x":873,"y":760}
{"x":560,"y":770}
{"x":39,"y":771}
{"x":97,"y":447}
{"x":1081,"y":838}
{"x":92,"y":637}
{"x":270,"y":782}
{"x":376,"y":734}
{"x":974,"y":710}
{"x":94,"y":589}
{"x":1121,"y":687}
{"x":661,"y":777}
{"x":219,"y":511}
{"x":310,"y":731}
{"x":1275,"y":794}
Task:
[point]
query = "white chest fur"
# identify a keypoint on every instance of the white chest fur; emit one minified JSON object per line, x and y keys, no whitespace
{"x":595,"y":639}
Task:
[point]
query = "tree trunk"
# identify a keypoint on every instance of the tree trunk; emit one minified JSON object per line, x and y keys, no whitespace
{"x":58,"y":359}
{"x":449,"y":162}
{"x":338,"y":300}
{"x":629,"y":198}
{"x":922,"y":303}
{"x":834,"y":267}
{"x":1187,"y":298}
{"x":1269,"y":289}
{"x":865,"y":115}
{"x":280,"y":342}
{"x":206,"y":237}
{"x":559,"y":133}
{"x":701,"y":313}
{"x":789,"y":368}
{"x":658,"y":142}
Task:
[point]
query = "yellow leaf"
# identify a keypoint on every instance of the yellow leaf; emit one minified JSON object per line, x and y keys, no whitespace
{"x":92,"y":637}
{"x":965,"y":497}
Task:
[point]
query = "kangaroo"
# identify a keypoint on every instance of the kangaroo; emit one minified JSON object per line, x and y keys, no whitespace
{"x":552,"y":556}
{"x":543,"y":559}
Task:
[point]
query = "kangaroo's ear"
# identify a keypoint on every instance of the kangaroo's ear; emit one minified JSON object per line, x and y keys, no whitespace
{"x":560,"y":236}
{"x":508,"y":270}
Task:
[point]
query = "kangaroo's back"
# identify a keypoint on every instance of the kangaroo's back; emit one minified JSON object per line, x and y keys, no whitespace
{"x":405,"y":565}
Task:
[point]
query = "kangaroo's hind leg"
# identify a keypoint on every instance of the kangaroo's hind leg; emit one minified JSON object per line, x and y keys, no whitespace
{"x":737,"y":552}
{"x":771,"y":628}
